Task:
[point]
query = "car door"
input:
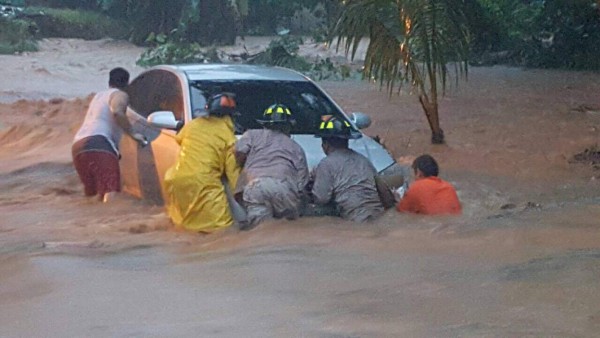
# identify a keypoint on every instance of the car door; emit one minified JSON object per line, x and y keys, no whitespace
{"x":143,"y":169}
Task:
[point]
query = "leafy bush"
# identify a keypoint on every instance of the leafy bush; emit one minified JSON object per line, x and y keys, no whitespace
{"x":206,"y":22}
{"x":210,"y":22}
{"x":265,"y":17}
{"x":170,"y":52}
{"x":16,"y":36}
{"x":568,"y":36}
{"x":79,"y":4}
{"x":539,"y":33}
{"x":306,"y":21}
{"x":283,"y":52}
{"x":69,"y":23}
{"x":325,"y":69}
{"x":506,"y":22}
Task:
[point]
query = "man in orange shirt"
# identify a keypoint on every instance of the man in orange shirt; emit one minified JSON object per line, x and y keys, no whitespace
{"x":429,"y":195}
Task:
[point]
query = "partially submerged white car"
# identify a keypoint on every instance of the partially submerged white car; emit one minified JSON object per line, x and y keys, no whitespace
{"x":165,"y":97}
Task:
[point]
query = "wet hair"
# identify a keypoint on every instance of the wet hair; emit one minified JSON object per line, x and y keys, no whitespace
{"x":426,"y":164}
{"x":336,"y":142}
{"x":118,"y":78}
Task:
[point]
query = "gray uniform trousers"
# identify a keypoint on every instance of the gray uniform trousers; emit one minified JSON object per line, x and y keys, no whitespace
{"x":268,"y":197}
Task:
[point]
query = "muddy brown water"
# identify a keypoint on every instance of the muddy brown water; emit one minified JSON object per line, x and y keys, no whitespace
{"x":535,"y":277}
{"x":523,"y":260}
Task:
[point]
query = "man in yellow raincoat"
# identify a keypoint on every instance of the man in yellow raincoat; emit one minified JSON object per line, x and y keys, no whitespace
{"x":194,"y":187}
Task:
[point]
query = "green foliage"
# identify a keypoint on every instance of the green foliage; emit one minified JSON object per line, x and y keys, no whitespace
{"x":549,"y":33}
{"x":18,"y":3}
{"x":511,"y":21}
{"x":305,"y":21}
{"x":539,"y":33}
{"x":72,"y":4}
{"x":146,"y":17}
{"x":207,"y":22}
{"x":71,"y":23}
{"x":16,"y":36}
{"x":413,"y":41}
{"x":173,"y":52}
{"x":568,"y":35}
{"x":290,"y":43}
{"x":283,"y":52}
{"x":415,"y":47}
{"x":266,"y":17}
{"x":210,"y":22}
{"x":325,"y":69}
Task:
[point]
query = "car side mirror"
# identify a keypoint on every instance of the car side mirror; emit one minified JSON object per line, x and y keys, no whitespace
{"x":163,"y":119}
{"x":360,"y":120}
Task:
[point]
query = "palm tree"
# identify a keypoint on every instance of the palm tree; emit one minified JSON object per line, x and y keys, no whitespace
{"x":411,"y":41}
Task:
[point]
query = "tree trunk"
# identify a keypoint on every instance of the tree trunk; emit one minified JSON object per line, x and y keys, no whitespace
{"x":431,"y":112}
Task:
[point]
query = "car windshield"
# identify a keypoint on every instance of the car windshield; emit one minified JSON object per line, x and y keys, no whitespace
{"x":304,"y":99}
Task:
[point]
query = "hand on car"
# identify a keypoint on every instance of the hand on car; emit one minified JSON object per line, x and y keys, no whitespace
{"x":140,"y":139}
{"x":399,"y":193}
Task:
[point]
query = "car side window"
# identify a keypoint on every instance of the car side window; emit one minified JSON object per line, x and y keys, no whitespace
{"x":305,"y":100}
{"x":156,"y":90}
{"x":198,"y":100}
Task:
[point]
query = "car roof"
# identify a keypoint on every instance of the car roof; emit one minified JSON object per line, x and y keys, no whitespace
{"x":208,"y":71}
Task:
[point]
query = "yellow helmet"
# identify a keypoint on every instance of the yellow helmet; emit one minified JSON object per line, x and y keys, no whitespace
{"x":277,"y":114}
{"x":333,"y":127}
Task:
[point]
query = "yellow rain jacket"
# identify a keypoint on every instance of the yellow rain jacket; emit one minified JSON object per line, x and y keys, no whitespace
{"x":196,"y":195}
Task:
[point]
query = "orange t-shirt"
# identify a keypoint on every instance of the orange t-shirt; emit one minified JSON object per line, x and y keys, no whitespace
{"x":430,"y":196}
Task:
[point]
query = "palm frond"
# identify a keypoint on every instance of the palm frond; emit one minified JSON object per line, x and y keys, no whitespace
{"x":354,"y":24}
{"x":410,"y":40}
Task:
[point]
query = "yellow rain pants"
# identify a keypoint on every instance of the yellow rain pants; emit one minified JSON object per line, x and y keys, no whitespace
{"x":195,"y":192}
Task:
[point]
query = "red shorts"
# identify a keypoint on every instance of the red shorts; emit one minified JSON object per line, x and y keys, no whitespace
{"x":98,"y":171}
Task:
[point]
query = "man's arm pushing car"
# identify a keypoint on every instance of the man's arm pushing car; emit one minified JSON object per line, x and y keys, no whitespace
{"x":118,"y":106}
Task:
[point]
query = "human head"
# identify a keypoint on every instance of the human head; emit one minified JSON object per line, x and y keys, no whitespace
{"x":330,"y":144}
{"x":332,"y":127}
{"x":278,"y":117}
{"x":425,"y":166}
{"x":221,"y":104}
{"x":118,"y":78}
{"x":334,"y":133}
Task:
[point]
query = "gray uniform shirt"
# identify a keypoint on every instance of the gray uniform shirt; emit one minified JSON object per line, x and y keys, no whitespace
{"x":348,"y":178}
{"x":271,"y":154}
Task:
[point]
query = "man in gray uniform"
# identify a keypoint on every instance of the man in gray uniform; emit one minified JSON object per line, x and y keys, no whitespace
{"x":274,"y":171}
{"x":345,"y":177}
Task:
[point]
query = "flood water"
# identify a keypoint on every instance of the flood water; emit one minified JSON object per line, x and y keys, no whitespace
{"x":522,"y":261}
{"x":535,"y":278}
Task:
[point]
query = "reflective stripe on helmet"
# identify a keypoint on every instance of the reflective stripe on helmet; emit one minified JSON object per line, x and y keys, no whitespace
{"x":278,"y":110}
{"x":329,"y":124}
